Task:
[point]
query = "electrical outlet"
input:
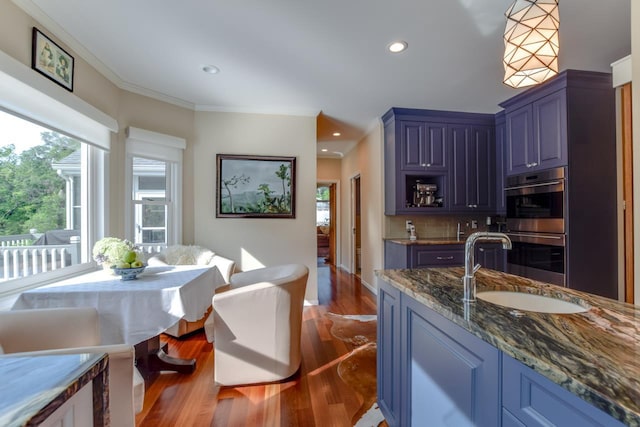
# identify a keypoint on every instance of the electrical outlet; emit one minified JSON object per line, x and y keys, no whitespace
{"x":474,"y":224}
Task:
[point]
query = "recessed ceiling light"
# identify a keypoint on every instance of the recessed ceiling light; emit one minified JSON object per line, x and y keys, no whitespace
{"x":324,"y":150}
{"x":397,"y":47}
{"x":337,"y":134}
{"x":211,"y":69}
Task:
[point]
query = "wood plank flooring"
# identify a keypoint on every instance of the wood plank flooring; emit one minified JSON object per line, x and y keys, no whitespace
{"x":315,"y":396}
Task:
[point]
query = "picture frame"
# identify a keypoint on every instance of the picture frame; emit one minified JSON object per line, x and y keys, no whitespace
{"x":255,"y":186}
{"x":50,"y":60}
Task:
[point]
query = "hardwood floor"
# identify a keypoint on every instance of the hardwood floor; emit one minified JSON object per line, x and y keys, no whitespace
{"x":315,"y":396}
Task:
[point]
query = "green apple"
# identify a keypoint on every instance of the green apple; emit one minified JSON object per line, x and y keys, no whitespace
{"x":130,"y":257}
{"x":136,"y":264}
{"x":123,"y":265}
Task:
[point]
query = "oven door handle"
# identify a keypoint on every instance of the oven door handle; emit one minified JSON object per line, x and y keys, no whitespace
{"x":536,"y":236}
{"x":542,"y":184}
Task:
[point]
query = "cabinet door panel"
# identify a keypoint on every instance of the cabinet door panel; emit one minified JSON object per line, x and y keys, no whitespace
{"x":460,"y":168}
{"x":388,"y":371}
{"x":436,"y":148}
{"x":550,"y":117}
{"x":519,"y":140}
{"x":452,"y":376}
{"x":413,"y":145}
{"x":537,"y":401}
{"x":501,"y":137}
{"x":481,"y":178}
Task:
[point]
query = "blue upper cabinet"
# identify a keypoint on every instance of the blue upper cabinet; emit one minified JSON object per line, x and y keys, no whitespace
{"x":537,"y":135}
{"x":473,"y":169}
{"x":418,"y":150}
{"x":423,"y":146}
{"x":501,"y":141}
{"x":539,"y":121}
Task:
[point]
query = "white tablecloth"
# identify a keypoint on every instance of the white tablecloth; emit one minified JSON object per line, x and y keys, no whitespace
{"x":135,"y":310}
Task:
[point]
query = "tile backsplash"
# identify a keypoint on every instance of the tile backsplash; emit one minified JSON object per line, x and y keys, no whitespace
{"x":435,"y":226}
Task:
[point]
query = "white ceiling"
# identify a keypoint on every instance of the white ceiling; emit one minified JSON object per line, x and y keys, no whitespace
{"x":329,"y":57}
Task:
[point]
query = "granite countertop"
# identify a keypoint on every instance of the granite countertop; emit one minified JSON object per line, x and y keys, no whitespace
{"x":594,"y":354}
{"x":429,"y":241}
{"x":33,"y":387}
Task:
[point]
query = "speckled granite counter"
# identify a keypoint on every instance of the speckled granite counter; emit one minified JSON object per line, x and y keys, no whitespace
{"x":32,"y":388}
{"x":595,"y":354}
{"x":431,"y":241}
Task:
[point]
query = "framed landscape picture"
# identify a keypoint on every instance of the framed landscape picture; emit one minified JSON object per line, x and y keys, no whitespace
{"x":255,"y":186}
{"x":51,"y":60}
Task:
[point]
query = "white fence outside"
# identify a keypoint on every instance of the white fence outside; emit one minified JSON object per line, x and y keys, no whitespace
{"x":18,"y":258}
{"x":23,"y":261}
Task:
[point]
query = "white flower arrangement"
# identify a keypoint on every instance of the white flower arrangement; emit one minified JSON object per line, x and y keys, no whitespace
{"x":112,"y":250}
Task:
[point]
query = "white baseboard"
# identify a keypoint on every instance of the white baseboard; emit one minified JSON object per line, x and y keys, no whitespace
{"x":372,"y":288}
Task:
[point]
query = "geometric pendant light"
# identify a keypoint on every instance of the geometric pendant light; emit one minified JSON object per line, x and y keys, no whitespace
{"x":531,"y":42}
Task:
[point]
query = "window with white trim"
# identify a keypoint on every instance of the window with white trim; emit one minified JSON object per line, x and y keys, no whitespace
{"x":25,"y":94}
{"x":44,"y":201}
{"x":154,"y":180}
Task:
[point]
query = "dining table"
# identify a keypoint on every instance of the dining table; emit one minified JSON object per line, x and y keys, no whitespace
{"x":137,"y":311}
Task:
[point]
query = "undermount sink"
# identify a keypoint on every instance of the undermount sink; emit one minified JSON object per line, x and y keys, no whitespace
{"x":530,"y":302}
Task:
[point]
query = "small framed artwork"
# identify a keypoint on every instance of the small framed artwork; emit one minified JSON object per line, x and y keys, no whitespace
{"x":51,"y":60}
{"x":255,"y":186}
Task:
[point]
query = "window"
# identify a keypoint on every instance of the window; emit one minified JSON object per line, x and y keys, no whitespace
{"x":154,"y":177}
{"x":323,"y":214}
{"x":44,"y":201}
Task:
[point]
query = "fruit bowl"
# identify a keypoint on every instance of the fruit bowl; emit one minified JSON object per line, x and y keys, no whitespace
{"x":128,"y":273}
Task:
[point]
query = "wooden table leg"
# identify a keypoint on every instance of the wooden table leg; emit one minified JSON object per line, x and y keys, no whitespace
{"x":151,"y":357}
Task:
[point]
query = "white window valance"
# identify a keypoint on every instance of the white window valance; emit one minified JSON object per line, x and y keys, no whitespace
{"x":27,"y":94}
{"x":141,"y":142}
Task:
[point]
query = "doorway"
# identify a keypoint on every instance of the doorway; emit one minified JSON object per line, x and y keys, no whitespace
{"x":356,"y":252}
{"x":326,"y":223}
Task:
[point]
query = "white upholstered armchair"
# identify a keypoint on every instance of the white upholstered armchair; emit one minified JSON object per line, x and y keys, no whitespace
{"x":257,"y":324}
{"x":192,"y":255}
{"x":76,"y":330}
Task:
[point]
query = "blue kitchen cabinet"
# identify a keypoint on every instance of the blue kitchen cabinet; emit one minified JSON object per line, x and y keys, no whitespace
{"x":432,"y":372}
{"x":423,"y":146}
{"x":417,"y":150}
{"x":491,"y":255}
{"x":397,"y":255}
{"x":388,"y":368}
{"x":452,"y":376}
{"x":530,"y":399}
{"x":536,"y":129}
{"x":473,"y":169}
{"x":501,"y":141}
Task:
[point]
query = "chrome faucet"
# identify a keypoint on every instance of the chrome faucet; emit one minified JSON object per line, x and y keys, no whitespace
{"x":468,"y":281}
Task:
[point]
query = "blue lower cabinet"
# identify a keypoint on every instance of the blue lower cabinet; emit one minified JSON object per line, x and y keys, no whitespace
{"x":534,"y":400}
{"x":452,"y":377}
{"x":432,"y":372}
{"x":388,"y":353}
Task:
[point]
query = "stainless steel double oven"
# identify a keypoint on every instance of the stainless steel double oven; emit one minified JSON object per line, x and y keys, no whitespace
{"x":536,"y":209}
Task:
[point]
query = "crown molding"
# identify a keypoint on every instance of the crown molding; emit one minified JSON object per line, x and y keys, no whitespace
{"x":260,"y":110}
{"x":78,"y":48}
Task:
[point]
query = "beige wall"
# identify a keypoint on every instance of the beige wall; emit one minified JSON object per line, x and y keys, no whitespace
{"x":635,"y":52}
{"x":364,"y":160}
{"x":254,"y":242}
{"x":329,"y":170}
{"x":127,"y":108}
{"x":251,"y":242}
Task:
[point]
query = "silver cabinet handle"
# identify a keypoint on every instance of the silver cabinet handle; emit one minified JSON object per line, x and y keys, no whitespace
{"x":443,"y":258}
